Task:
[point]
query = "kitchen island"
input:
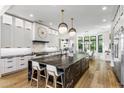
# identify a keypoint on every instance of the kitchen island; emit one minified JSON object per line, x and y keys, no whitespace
{"x":73,"y":67}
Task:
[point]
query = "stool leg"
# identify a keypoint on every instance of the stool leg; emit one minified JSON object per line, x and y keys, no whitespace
{"x":32,"y":76}
{"x":62,"y":81}
{"x":55,"y":81}
{"x":38,"y":73}
{"x":45,"y":73}
{"x":47,"y":77}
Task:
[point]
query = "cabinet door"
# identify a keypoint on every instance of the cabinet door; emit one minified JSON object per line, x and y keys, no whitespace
{"x":19,"y":37}
{"x":10,"y":65}
{"x":19,"y":22}
{"x":21,"y":63}
{"x":7,"y":19}
{"x":27,"y":38}
{"x":28,"y":25}
{"x":6,"y":36}
{"x":2,"y":66}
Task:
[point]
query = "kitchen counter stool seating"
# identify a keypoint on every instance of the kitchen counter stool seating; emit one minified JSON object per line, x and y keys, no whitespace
{"x":39,"y":69}
{"x":52,"y":71}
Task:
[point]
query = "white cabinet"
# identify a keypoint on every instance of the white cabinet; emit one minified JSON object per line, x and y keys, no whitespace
{"x":19,"y":37}
{"x":6,"y":36}
{"x":19,"y":22}
{"x":2,"y":66}
{"x":7,"y":19}
{"x":27,"y":38}
{"x":21,"y":63}
{"x":28,"y":34}
{"x":6,"y":31}
{"x":28,"y":25}
{"x":10,"y":65}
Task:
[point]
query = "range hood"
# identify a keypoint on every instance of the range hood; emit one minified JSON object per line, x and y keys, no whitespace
{"x":39,"y":41}
{"x":40,"y":33}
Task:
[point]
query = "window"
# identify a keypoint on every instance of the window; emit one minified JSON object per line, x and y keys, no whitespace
{"x":93,"y":43}
{"x":86,"y":43}
{"x":100,"y":43}
{"x":80,"y":45}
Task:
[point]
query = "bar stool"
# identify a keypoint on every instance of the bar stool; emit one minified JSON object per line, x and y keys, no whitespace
{"x":39,"y":69}
{"x":52,"y":71}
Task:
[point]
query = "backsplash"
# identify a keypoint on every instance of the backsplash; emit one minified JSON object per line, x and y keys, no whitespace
{"x":38,"y":47}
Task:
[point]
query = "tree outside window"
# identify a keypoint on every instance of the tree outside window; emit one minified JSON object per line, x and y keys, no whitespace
{"x":80,"y":45}
{"x":93,"y":43}
{"x":100,"y":43}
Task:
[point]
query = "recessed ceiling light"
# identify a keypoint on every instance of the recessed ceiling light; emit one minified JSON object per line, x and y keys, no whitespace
{"x":104,"y":20}
{"x":104,"y":8}
{"x":31,"y":15}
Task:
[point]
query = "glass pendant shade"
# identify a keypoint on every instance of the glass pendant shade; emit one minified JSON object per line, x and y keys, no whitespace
{"x":72,"y":31}
{"x":63,"y":27}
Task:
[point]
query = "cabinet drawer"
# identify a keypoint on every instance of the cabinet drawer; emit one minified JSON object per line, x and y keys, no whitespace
{"x":22,"y":63}
{"x":10,"y":62}
{"x":2,"y":66}
{"x":10,"y":68}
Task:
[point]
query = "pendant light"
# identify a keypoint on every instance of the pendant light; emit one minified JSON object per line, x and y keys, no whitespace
{"x":72,"y":31}
{"x":63,"y":27}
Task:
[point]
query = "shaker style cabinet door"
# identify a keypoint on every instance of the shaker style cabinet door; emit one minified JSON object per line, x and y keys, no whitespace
{"x":19,"y":37}
{"x":27,"y":38}
{"x":2,"y":66}
{"x":6,"y":36}
{"x":19,"y":23}
{"x":28,"y":34}
{"x":7,"y":19}
{"x":6,"y":31}
{"x":19,"y":33}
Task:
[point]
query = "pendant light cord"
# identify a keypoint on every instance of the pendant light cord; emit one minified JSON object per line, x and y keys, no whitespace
{"x":62,"y":19}
{"x":72,"y":21}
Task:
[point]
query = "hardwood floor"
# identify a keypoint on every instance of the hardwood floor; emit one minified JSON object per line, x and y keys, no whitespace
{"x":99,"y":75}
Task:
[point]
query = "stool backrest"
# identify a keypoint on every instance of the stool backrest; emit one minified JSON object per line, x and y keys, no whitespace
{"x":35,"y":65}
{"x":51,"y":70}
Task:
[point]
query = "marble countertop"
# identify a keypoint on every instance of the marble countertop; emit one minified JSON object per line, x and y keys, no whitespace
{"x":60,"y":61}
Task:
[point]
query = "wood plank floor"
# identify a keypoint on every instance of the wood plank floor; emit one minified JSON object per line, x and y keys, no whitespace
{"x":99,"y":75}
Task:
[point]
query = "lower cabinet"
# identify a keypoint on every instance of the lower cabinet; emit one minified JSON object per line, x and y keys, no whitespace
{"x":9,"y":65}
{"x":12,"y":64}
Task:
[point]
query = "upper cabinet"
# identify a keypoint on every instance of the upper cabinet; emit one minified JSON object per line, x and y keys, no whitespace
{"x":28,"y":34}
{"x":6,"y":31}
{"x":19,"y":22}
{"x":7,"y":19}
{"x":28,"y":25}
{"x":15,"y":32}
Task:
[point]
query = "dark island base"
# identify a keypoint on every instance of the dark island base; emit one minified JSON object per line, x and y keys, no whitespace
{"x":73,"y":73}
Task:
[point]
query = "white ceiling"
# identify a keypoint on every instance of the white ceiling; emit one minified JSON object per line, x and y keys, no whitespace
{"x":85,"y":16}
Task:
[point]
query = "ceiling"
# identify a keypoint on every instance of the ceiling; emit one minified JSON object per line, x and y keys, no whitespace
{"x":85,"y":16}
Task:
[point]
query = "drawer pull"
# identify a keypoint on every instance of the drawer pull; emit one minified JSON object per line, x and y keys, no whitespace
{"x":9,"y":61}
{"x":22,"y":64}
{"x":10,"y":67}
{"x":21,"y":59}
{"x":18,"y":26}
